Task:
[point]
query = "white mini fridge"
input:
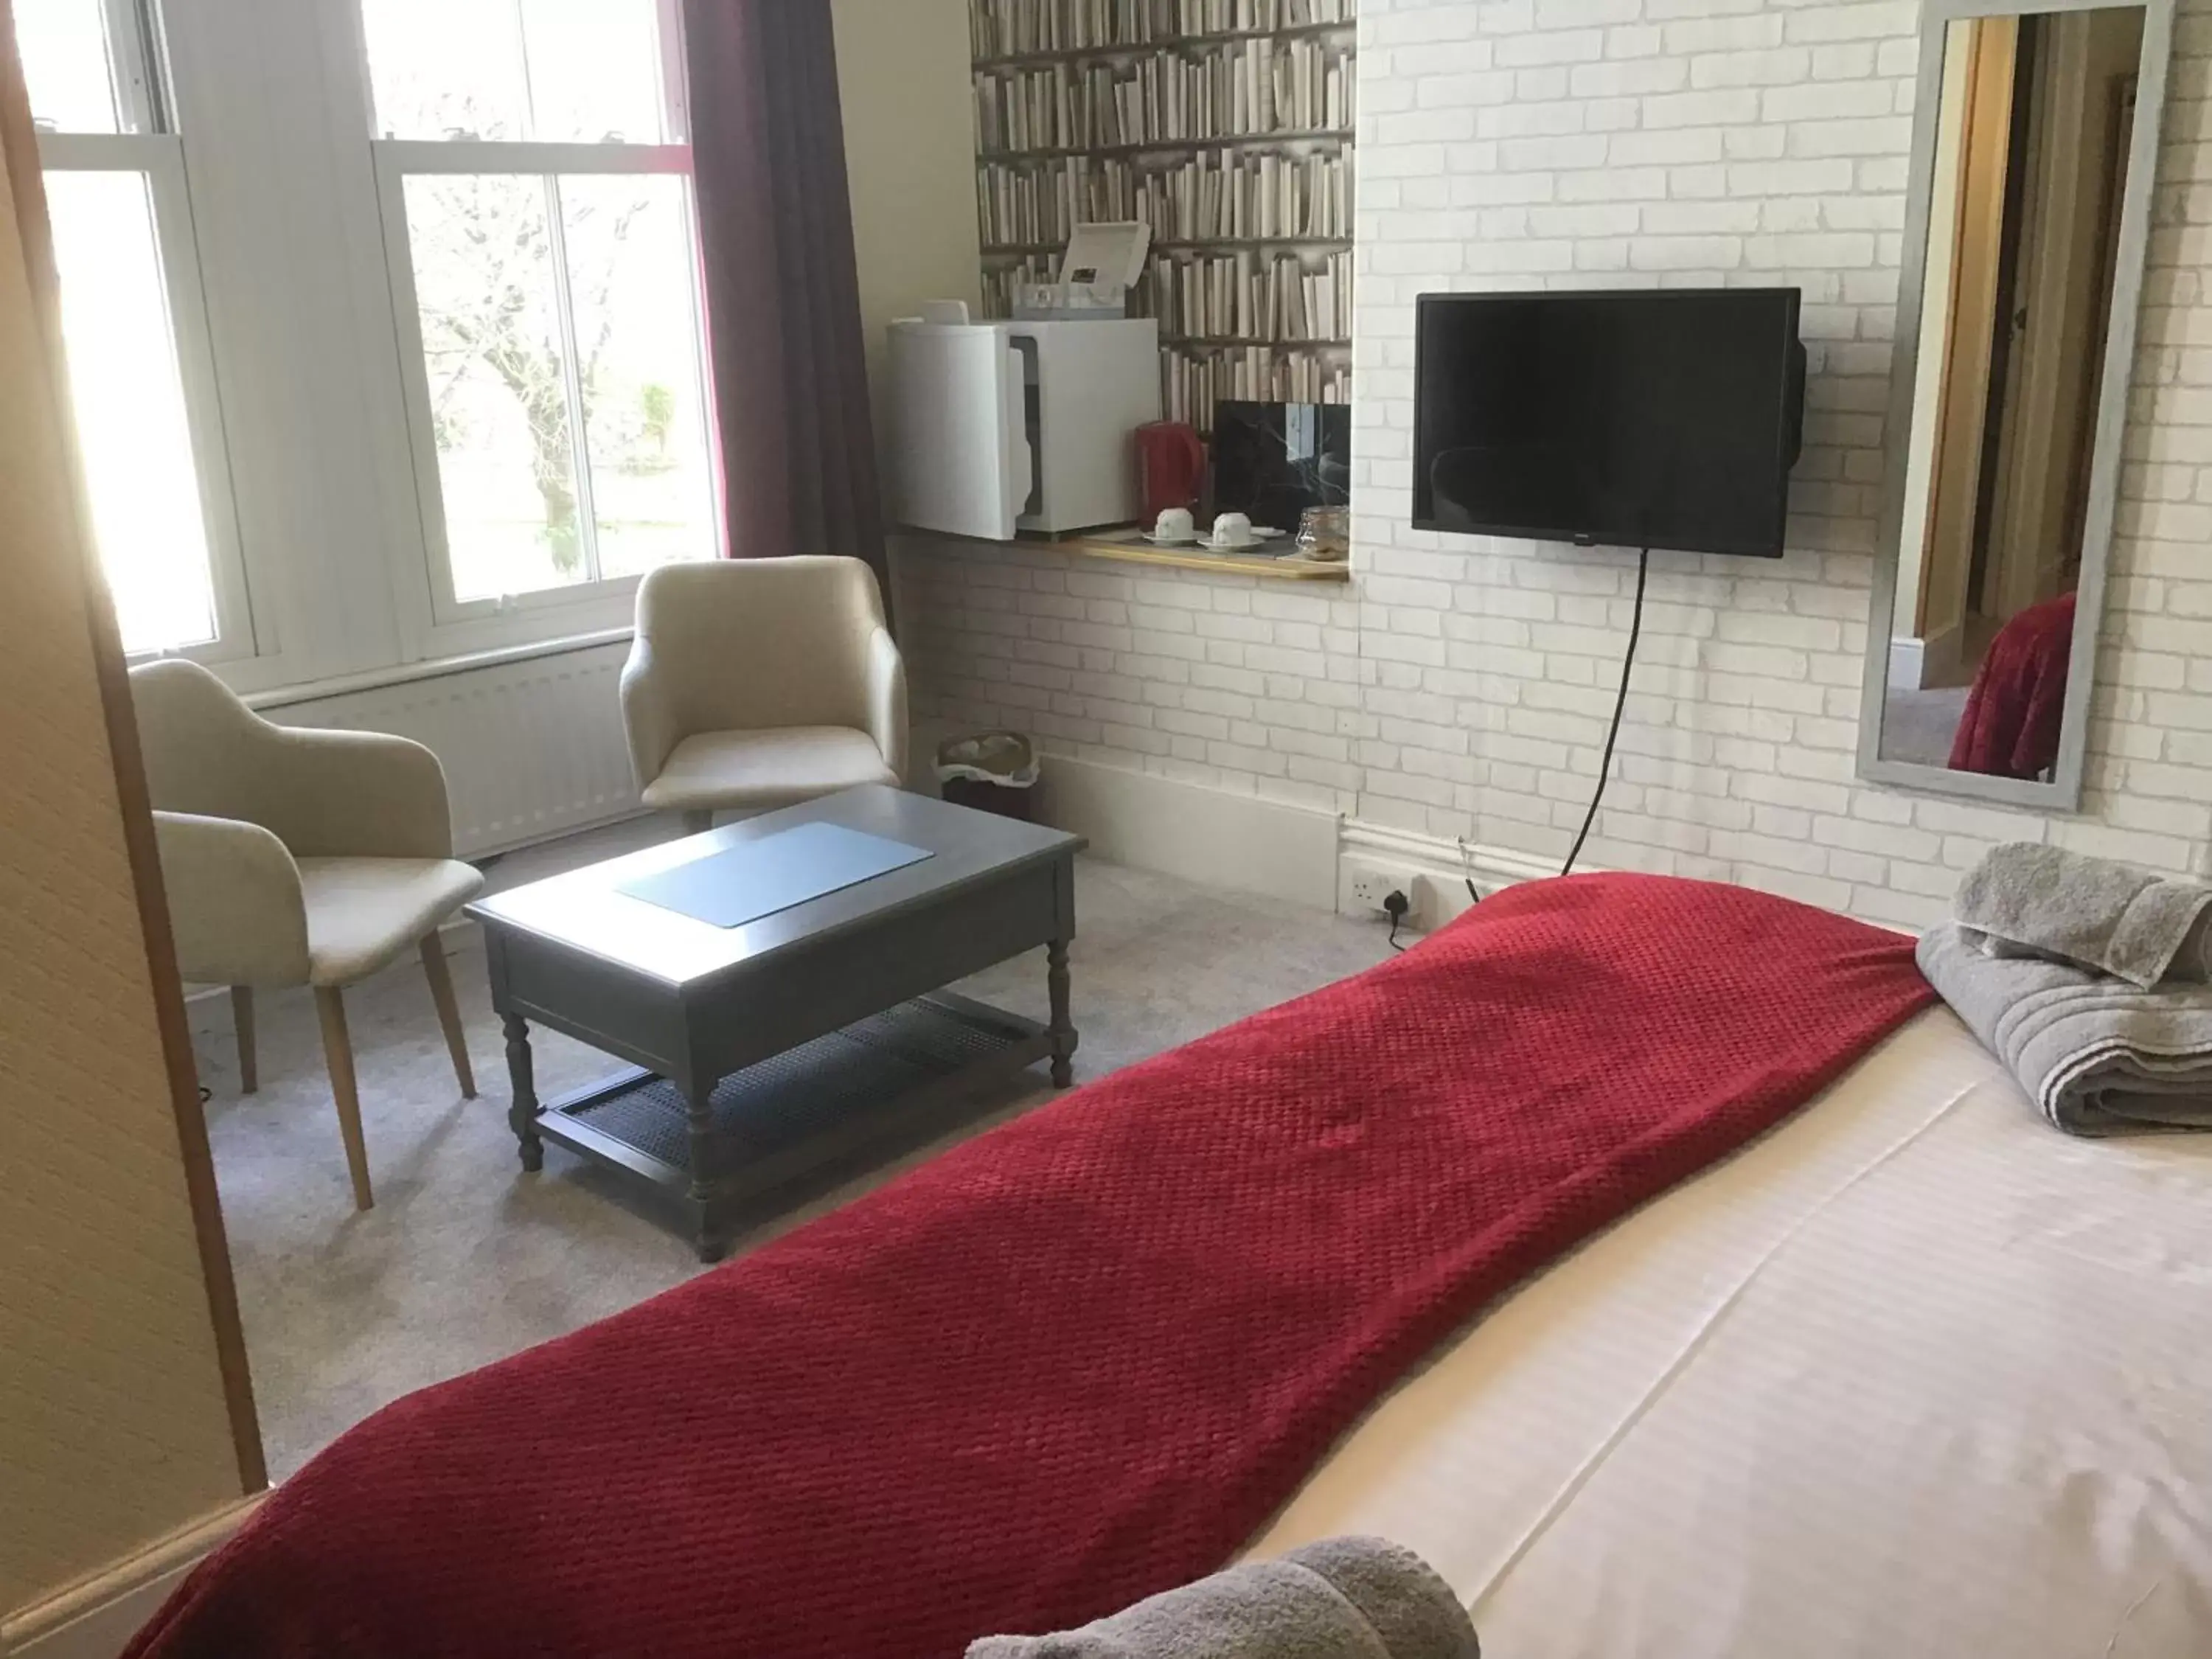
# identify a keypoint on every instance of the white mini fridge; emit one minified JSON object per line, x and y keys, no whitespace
{"x":1002,"y":427}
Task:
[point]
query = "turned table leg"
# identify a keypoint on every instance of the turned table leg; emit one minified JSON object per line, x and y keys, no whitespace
{"x":712,"y":1240}
{"x":1062,"y":1028}
{"x":522,"y":1114}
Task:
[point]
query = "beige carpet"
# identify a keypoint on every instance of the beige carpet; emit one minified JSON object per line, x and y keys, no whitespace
{"x":465,"y":1259}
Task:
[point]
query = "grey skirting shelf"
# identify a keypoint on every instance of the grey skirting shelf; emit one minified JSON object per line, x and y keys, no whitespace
{"x":807,"y":1106}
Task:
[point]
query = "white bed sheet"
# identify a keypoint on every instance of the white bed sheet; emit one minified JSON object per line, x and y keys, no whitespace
{"x":1915,"y":1375}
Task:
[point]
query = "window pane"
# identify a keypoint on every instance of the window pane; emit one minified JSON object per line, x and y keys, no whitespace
{"x":498,"y":375}
{"x":64,"y":49}
{"x":446,"y":69}
{"x":638,"y":338}
{"x":129,"y":396}
{"x":553,"y":70}
{"x":595,"y":71}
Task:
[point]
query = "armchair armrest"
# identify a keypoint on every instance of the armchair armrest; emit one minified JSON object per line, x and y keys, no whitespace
{"x":649,"y":717}
{"x":356,"y":794}
{"x":236,"y":905}
{"x":887,"y":713}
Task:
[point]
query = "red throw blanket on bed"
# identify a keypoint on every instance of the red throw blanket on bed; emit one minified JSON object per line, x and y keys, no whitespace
{"x":1082,"y":1358}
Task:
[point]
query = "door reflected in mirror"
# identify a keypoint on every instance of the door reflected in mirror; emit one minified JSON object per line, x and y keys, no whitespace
{"x":2031,"y":138}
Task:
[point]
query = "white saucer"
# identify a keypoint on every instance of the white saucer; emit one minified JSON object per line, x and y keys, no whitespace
{"x":1261,"y":538}
{"x":1191,"y":540}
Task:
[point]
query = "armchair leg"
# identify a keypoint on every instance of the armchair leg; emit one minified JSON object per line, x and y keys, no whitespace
{"x":241,"y":1019}
{"x":337,"y":1053}
{"x":449,"y":1014}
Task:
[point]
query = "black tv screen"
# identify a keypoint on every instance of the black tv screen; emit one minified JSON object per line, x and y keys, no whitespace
{"x":1651,"y":418}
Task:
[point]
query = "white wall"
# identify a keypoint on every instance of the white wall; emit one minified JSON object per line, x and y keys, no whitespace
{"x":1463,"y":689}
{"x":902,"y":80}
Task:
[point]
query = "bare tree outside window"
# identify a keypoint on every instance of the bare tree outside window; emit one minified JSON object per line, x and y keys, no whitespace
{"x":555,"y":299}
{"x":489,"y":240}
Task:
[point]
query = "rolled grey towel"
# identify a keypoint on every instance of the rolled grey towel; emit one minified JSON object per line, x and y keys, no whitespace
{"x":2097,"y":1056}
{"x":1342,"y":1598}
{"x":2031,"y":900}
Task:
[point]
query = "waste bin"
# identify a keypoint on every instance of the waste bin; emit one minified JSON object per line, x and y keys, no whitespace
{"x":993,"y":772}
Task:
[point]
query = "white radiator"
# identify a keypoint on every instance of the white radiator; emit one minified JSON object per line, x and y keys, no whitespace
{"x":531,"y":749}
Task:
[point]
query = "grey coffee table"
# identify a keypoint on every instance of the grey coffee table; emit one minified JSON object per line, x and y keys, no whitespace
{"x":765,"y":1050}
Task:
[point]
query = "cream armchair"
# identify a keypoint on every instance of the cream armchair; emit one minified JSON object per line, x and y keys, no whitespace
{"x":297,"y":857}
{"x":759,"y":683}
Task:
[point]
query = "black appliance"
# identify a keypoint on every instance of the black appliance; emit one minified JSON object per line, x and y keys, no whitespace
{"x":1271,"y":461}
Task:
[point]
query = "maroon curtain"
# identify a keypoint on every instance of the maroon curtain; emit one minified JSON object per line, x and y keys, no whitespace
{"x":783,"y":302}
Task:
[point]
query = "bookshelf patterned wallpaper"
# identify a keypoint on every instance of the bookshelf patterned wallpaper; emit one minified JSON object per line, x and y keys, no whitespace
{"x":1225,"y":124}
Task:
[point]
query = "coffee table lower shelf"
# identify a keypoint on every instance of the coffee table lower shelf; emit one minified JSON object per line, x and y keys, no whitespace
{"x":808,"y":1107}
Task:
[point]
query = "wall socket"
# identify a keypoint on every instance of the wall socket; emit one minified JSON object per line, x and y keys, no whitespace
{"x":1370,"y":887}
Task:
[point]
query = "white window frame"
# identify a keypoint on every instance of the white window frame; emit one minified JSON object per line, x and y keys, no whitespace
{"x":576,"y":607}
{"x":150,"y":150}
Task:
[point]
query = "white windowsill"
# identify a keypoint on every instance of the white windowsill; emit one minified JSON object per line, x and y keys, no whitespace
{"x":376,"y":680}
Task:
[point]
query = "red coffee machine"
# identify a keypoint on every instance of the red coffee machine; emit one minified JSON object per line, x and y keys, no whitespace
{"x":1171,"y":458}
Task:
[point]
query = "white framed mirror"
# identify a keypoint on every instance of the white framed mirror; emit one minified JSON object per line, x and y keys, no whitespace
{"x":2027,"y":214}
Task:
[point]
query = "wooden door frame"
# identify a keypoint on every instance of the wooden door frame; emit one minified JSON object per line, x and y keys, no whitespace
{"x":1968,"y":346}
{"x":19,"y":149}
{"x":2064,"y":279}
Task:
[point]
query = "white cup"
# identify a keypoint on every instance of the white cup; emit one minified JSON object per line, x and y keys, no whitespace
{"x":1176,"y":525}
{"x":1233,"y":530}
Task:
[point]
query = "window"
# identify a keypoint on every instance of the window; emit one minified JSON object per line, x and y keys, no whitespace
{"x":134,"y":328}
{"x":535,"y":187}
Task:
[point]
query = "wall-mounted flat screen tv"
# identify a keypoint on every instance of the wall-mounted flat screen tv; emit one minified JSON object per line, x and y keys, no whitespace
{"x":1637,"y":418}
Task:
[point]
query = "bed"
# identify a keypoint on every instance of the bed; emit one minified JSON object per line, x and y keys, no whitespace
{"x":1908,"y":1373}
{"x":1915,"y":1375}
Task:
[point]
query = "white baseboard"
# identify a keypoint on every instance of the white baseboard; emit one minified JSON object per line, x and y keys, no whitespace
{"x":1439,"y":867}
{"x":1914,"y":663}
{"x":96,"y":1617}
{"x":1907,"y":663}
{"x":1210,"y":836}
{"x":1278,"y":850}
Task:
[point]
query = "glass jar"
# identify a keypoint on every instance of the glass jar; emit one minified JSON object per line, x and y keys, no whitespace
{"x":1325,"y":534}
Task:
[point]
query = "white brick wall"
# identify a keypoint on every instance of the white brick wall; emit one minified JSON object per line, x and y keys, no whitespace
{"x":1461,"y":688}
{"x":1223,"y":681}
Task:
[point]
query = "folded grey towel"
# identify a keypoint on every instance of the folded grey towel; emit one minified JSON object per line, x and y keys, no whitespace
{"x":2098,"y":1056}
{"x":1342,"y":1598}
{"x":2112,"y":917}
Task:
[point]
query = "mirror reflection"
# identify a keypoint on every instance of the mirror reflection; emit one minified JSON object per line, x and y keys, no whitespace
{"x":2031,"y":165}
